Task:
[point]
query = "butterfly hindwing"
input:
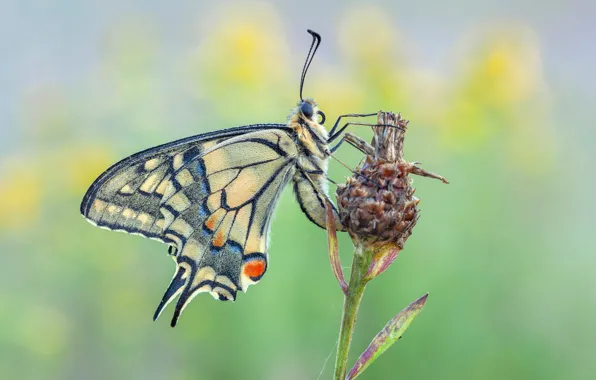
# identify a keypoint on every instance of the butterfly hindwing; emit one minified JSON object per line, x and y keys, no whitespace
{"x":218,"y":211}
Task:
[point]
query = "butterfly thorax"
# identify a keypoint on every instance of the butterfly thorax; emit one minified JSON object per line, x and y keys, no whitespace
{"x":310,"y":180}
{"x":312,"y":135}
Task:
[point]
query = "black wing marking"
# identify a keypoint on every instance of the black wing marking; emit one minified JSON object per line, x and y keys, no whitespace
{"x":127,"y":196}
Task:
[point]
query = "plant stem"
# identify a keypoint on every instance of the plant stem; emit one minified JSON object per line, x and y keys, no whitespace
{"x":352,"y":298}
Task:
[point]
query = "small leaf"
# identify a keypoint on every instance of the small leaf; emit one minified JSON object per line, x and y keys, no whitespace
{"x":333,"y":249}
{"x":382,"y":259}
{"x":390,"y":334}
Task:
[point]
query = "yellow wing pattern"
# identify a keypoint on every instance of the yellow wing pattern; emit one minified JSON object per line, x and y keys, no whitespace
{"x":220,"y":214}
{"x":211,"y":198}
{"x":127,"y":196}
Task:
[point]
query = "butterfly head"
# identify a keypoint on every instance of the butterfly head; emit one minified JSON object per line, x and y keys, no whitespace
{"x":306,"y":120}
{"x":308,"y":111}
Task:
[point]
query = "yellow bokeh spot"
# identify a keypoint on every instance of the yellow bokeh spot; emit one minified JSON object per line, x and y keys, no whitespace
{"x":499,"y":92}
{"x":503,"y":67}
{"x":19,"y":194}
{"x":245,"y":51}
{"x":498,"y":62}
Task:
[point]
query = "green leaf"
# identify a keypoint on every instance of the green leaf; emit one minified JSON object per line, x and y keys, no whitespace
{"x":391,"y":333}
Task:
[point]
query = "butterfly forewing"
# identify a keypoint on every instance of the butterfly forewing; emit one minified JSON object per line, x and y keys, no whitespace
{"x":211,"y":198}
{"x":127,"y":196}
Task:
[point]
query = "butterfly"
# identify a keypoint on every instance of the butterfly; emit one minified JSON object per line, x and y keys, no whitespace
{"x":210,"y":197}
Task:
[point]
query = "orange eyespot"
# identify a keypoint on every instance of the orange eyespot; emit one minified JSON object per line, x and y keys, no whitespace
{"x":219,"y":239}
{"x":210,"y":222}
{"x":254,"y":268}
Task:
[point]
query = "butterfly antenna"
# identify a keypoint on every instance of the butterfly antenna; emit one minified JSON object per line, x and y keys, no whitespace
{"x":316,"y":41}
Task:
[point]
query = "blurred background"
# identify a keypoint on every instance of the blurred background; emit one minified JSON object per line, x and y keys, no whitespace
{"x":500,"y":98}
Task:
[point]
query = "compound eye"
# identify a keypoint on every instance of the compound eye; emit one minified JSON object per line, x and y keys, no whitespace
{"x":306,"y":109}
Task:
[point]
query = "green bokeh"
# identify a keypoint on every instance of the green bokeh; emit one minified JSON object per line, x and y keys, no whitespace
{"x":504,"y":250}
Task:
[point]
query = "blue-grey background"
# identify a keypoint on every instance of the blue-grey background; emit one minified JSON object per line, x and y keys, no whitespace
{"x":500,"y":95}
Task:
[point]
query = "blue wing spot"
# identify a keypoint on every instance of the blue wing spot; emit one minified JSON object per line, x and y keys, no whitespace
{"x":203,"y":210}
{"x":202,"y":172}
{"x":215,"y":250}
{"x":201,"y":169}
{"x":234,"y":247}
{"x":204,"y":187}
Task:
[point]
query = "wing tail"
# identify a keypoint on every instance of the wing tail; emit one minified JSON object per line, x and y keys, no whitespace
{"x":176,"y":286}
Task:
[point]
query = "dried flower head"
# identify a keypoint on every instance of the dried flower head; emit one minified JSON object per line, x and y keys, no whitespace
{"x":377,"y":205}
{"x":379,"y":210}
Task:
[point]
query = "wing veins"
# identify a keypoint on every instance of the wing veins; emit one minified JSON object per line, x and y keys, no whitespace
{"x":275,"y":147}
{"x":244,"y":166}
{"x":263,"y":188}
{"x":136,"y":158}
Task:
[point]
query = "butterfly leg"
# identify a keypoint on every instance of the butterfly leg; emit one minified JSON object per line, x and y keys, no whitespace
{"x":356,"y":142}
{"x":338,"y":133}
{"x":336,"y":146}
{"x":332,"y":131}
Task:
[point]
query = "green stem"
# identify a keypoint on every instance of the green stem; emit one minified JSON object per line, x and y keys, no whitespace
{"x":352,"y":300}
